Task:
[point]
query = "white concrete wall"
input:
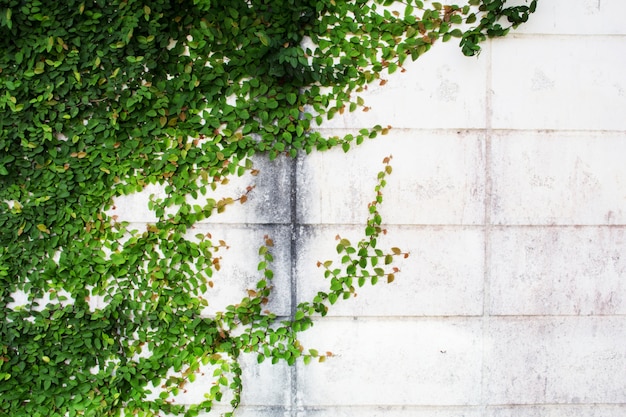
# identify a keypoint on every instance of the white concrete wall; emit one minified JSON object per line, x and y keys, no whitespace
{"x":509,"y":190}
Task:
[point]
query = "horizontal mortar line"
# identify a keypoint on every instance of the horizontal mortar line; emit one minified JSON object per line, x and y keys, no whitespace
{"x":572,"y":405}
{"x":317,"y":317}
{"x":549,"y":316}
{"x":381,"y":318}
{"x":419,"y":407}
{"x":394,"y":407}
{"x":469,"y":226}
{"x":220,"y":224}
{"x":477,"y":130}
{"x":559,"y":226}
{"x":407,"y":225}
{"x":278,"y":409}
{"x":557,"y":405}
{"x":578,"y":35}
{"x":411,"y":225}
{"x":268,"y":407}
{"x":244,"y":225}
{"x":466,"y":317}
{"x":551,"y":131}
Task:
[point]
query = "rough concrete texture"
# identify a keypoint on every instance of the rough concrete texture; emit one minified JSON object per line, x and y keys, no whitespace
{"x":509,"y":190}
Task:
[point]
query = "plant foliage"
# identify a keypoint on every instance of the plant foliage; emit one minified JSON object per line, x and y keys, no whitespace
{"x":99,"y":98}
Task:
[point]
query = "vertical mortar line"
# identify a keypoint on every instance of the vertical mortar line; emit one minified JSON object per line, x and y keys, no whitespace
{"x":487,"y":226}
{"x":293,"y":372}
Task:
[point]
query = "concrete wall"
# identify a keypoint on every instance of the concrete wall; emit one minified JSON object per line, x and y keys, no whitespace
{"x":509,"y":190}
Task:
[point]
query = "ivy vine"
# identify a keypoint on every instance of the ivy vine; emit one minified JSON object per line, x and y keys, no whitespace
{"x":100,"y":98}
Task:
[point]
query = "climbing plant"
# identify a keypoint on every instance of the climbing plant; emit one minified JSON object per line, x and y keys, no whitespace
{"x":100,"y":98}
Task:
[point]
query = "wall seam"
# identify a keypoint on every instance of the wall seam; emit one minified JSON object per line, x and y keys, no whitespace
{"x":293,"y":371}
{"x":487,"y":226}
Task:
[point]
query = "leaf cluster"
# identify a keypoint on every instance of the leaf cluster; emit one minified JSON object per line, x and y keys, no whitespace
{"x":101,"y":98}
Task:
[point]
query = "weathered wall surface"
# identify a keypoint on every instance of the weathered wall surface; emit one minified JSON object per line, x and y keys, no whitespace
{"x":509,"y":190}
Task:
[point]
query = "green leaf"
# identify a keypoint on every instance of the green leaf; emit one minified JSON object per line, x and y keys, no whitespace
{"x":263,"y":38}
{"x":332,"y":298}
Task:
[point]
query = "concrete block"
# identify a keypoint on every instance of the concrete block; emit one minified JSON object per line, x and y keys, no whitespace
{"x":443,"y":275}
{"x":270,"y":199}
{"x":264,"y":385}
{"x":441,"y":89}
{"x":558,"y":178}
{"x":570,"y":410}
{"x":268,"y":202}
{"x":438,"y":178}
{"x":555,"y":360}
{"x":558,"y":271}
{"x":133,"y":208}
{"x":392,"y":362}
{"x":588,"y":17}
{"x":573,"y":82}
{"x":238,"y":265}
